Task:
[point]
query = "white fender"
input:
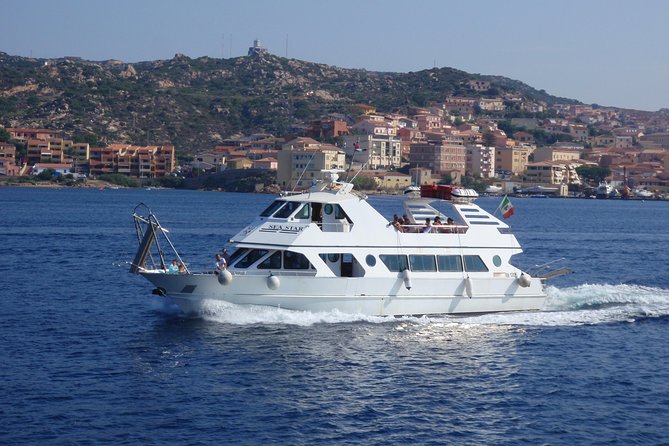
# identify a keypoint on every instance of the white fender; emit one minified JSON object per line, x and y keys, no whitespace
{"x":273,"y":282}
{"x":224,"y":277}
{"x":524,"y":280}
{"x":406,"y":275}
{"x":468,"y":287}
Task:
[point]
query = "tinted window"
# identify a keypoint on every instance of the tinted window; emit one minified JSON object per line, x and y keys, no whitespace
{"x":271,"y":262}
{"x":295,"y":260}
{"x":237,"y":254}
{"x":304,"y":213}
{"x":272,"y":208}
{"x":449,"y":263}
{"x":288,"y":209}
{"x":339,"y":213}
{"x":474,"y":264}
{"x":395,"y":262}
{"x":422,"y":263}
{"x":251,"y":258}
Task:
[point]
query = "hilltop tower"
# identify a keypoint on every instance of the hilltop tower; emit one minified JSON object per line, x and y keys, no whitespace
{"x":257,"y":49}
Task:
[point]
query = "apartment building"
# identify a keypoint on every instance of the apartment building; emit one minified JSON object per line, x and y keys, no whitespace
{"x":8,"y":165}
{"x":440,"y":156}
{"x":552,"y":153}
{"x":51,"y":150}
{"x":299,"y":168}
{"x":552,"y":172}
{"x":480,"y":161}
{"x":24,"y":134}
{"x":374,"y":151}
{"x":134,"y":161}
{"x":511,"y":161}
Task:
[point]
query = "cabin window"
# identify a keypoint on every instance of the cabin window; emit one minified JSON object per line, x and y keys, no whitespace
{"x":371,"y":260}
{"x":327,"y":209}
{"x":272,"y":208}
{"x":252,"y":257}
{"x":332,"y":257}
{"x":295,"y":260}
{"x":237,"y":255}
{"x":497,"y":261}
{"x":475,"y":264}
{"x":304,"y":213}
{"x":271,"y":262}
{"x":288,"y":209}
{"x":422,"y":263}
{"x":340,"y":214}
{"x":395,"y":263}
{"x":449,"y":263}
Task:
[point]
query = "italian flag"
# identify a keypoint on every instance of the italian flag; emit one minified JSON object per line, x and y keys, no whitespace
{"x":506,"y":207}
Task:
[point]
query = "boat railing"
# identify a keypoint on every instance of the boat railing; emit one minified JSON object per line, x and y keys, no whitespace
{"x":550,"y":270}
{"x":277,"y":272}
{"x":438,"y":229}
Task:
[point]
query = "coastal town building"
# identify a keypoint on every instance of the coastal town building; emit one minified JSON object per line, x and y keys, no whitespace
{"x":662,"y":139}
{"x":299,"y":167}
{"x":57,"y":168}
{"x":480,"y":161}
{"x":553,"y":153}
{"x":374,"y":151}
{"x":51,"y":150}
{"x":134,"y":161}
{"x":511,"y":161}
{"x":209,"y":161}
{"x":8,"y":165}
{"x":440,"y":156}
{"x":552,"y":172}
{"x":268,"y":163}
{"x":24,"y":134}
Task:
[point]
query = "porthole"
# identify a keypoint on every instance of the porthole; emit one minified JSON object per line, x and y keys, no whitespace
{"x":497,"y":261}
{"x":328,"y":209}
{"x":371,"y":260}
{"x":333,"y":257}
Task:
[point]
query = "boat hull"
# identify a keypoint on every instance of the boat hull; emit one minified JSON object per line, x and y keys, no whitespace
{"x":366,"y":296}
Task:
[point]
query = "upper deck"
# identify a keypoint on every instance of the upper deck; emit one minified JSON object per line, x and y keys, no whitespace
{"x":338,"y":216}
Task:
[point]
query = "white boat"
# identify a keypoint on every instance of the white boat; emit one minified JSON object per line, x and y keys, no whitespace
{"x":643,"y":193}
{"x":413,"y":189}
{"x":604,"y":190}
{"x":329,"y":249}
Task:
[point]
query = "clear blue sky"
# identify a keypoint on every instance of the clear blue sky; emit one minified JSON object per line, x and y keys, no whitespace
{"x":609,"y":52}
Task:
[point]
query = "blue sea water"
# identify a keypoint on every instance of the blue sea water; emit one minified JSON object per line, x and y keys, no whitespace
{"x":89,"y":356}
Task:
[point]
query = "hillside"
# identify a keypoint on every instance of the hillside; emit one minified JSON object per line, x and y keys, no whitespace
{"x":195,"y":103}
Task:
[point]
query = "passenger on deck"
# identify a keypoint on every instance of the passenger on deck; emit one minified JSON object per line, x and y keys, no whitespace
{"x":182,"y":267}
{"x":451,"y":224}
{"x":395,"y":223}
{"x":221,"y":264}
{"x":428,"y":226}
{"x":173,"y":268}
{"x":437,"y":225}
{"x":226,"y":256}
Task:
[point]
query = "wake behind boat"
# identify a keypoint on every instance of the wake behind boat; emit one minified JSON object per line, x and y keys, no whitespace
{"x":329,"y":249}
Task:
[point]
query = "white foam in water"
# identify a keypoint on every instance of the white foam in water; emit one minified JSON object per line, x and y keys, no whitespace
{"x":584,"y":304}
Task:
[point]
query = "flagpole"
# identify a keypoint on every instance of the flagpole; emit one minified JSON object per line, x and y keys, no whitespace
{"x":499,"y":206}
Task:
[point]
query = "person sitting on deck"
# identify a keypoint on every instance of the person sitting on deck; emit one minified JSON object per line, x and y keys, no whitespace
{"x":173,"y":268}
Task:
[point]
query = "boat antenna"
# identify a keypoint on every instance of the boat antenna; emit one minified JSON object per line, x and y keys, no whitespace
{"x":356,"y":148}
{"x":356,"y":174}
{"x":303,"y":170}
